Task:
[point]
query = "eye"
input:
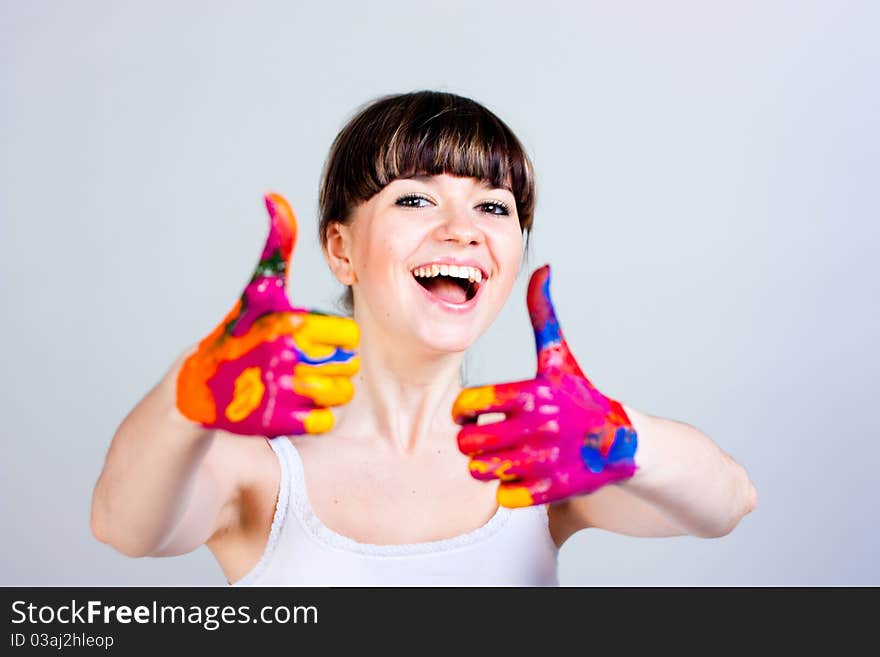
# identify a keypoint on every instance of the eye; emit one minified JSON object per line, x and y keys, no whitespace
{"x":496,"y":207}
{"x":411,"y":201}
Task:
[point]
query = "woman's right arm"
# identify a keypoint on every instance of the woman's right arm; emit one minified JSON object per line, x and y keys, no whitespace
{"x":164,"y":489}
{"x":176,"y":470}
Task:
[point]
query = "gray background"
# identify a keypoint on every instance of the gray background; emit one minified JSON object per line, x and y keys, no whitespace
{"x":707,"y":195}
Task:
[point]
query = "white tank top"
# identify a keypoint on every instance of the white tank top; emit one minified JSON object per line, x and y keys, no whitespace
{"x":514,"y":548}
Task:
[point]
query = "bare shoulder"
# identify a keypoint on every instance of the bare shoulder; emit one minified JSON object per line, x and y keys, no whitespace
{"x":250,"y":472}
{"x":239,"y":459}
{"x":563,"y":521}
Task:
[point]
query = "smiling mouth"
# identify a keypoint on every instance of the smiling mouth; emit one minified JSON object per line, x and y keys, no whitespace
{"x":449,"y":283}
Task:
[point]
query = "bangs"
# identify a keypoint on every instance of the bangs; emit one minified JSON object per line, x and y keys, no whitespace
{"x":424,"y":133}
{"x":454,"y":141}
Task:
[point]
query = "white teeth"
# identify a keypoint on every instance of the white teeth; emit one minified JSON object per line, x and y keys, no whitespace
{"x":459,"y":271}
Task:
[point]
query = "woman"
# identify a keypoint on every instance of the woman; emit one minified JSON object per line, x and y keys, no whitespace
{"x":426,"y":199}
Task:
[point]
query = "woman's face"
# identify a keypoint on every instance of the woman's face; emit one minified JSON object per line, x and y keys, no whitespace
{"x":434,"y":258}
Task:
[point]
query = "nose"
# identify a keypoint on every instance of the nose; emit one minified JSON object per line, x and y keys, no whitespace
{"x":458,"y":227}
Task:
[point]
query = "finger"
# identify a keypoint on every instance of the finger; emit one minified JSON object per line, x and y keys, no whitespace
{"x":507,"y":398}
{"x":553,"y":352}
{"x":474,"y":439}
{"x":326,"y":345}
{"x":324,"y":390}
{"x":298,"y":421}
{"x":316,"y":420}
{"x":278,"y":333}
{"x":318,"y":335}
{"x":530,"y":492}
{"x":519,"y":494}
{"x":289,"y":413}
{"x":557,"y":485}
{"x":266,"y":292}
{"x":281,"y":240}
{"x":523,"y":462}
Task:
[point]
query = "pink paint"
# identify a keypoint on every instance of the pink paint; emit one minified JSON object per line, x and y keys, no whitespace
{"x":264,"y":368}
{"x":561,"y":437}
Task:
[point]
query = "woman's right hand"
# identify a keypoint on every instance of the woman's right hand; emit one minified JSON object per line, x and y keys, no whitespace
{"x":270,"y":369}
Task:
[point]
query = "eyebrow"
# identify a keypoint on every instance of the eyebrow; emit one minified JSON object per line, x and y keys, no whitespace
{"x":483,"y":182}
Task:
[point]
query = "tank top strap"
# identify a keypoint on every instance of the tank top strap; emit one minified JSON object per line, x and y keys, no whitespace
{"x":296,"y":479}
{"x":282,"y":506}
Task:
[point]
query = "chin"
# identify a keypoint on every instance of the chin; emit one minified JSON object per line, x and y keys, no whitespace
{"x":450,"y":339}
{"x":450,"y":345}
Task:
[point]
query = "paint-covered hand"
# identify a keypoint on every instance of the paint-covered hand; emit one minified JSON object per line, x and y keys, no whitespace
{"x":270,"y":369}
{"x":561,"y":437}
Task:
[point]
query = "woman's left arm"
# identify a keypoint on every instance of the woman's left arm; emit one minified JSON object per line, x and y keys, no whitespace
{"x":683,"y":484}
{"x":592,"y":460}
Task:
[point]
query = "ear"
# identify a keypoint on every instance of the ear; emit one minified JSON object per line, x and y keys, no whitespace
{"x":337,"y":252}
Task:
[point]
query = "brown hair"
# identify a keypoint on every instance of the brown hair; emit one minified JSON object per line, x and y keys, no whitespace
{"x":422,"y":132}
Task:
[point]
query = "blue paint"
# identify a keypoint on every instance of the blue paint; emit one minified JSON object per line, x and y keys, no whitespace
{"x":549,"y":334}
{"x":624,"y":446}
{"x":622,"y":449}
{"x":592,"y":459}
{"x":338,"y":356}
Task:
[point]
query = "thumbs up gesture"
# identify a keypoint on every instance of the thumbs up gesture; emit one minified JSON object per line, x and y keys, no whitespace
{"x":561,"y":437}
{"x":270,"y":369}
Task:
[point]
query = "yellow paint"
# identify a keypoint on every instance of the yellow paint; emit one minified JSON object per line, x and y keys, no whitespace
{"x":473,"y":399}
{"x":247,"y":395}
{"x":324,"y":390}
{"x":479,"y":466}
{"x":318,"y":421}
{"x":321,"y":332}
{"x":501,"y":471}
{"x":315,"y":350}
{"x":514,"y":496}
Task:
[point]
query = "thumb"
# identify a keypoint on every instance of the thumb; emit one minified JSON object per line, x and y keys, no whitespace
{"x":553,"y":352}
{"x":266,"y":292}
{"x":275,"y":259}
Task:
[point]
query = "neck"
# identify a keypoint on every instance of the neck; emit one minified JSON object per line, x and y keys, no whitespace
{"x":403,"y":394}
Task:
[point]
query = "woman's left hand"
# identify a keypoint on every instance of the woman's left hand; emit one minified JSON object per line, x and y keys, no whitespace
{"x":561,"y":437}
